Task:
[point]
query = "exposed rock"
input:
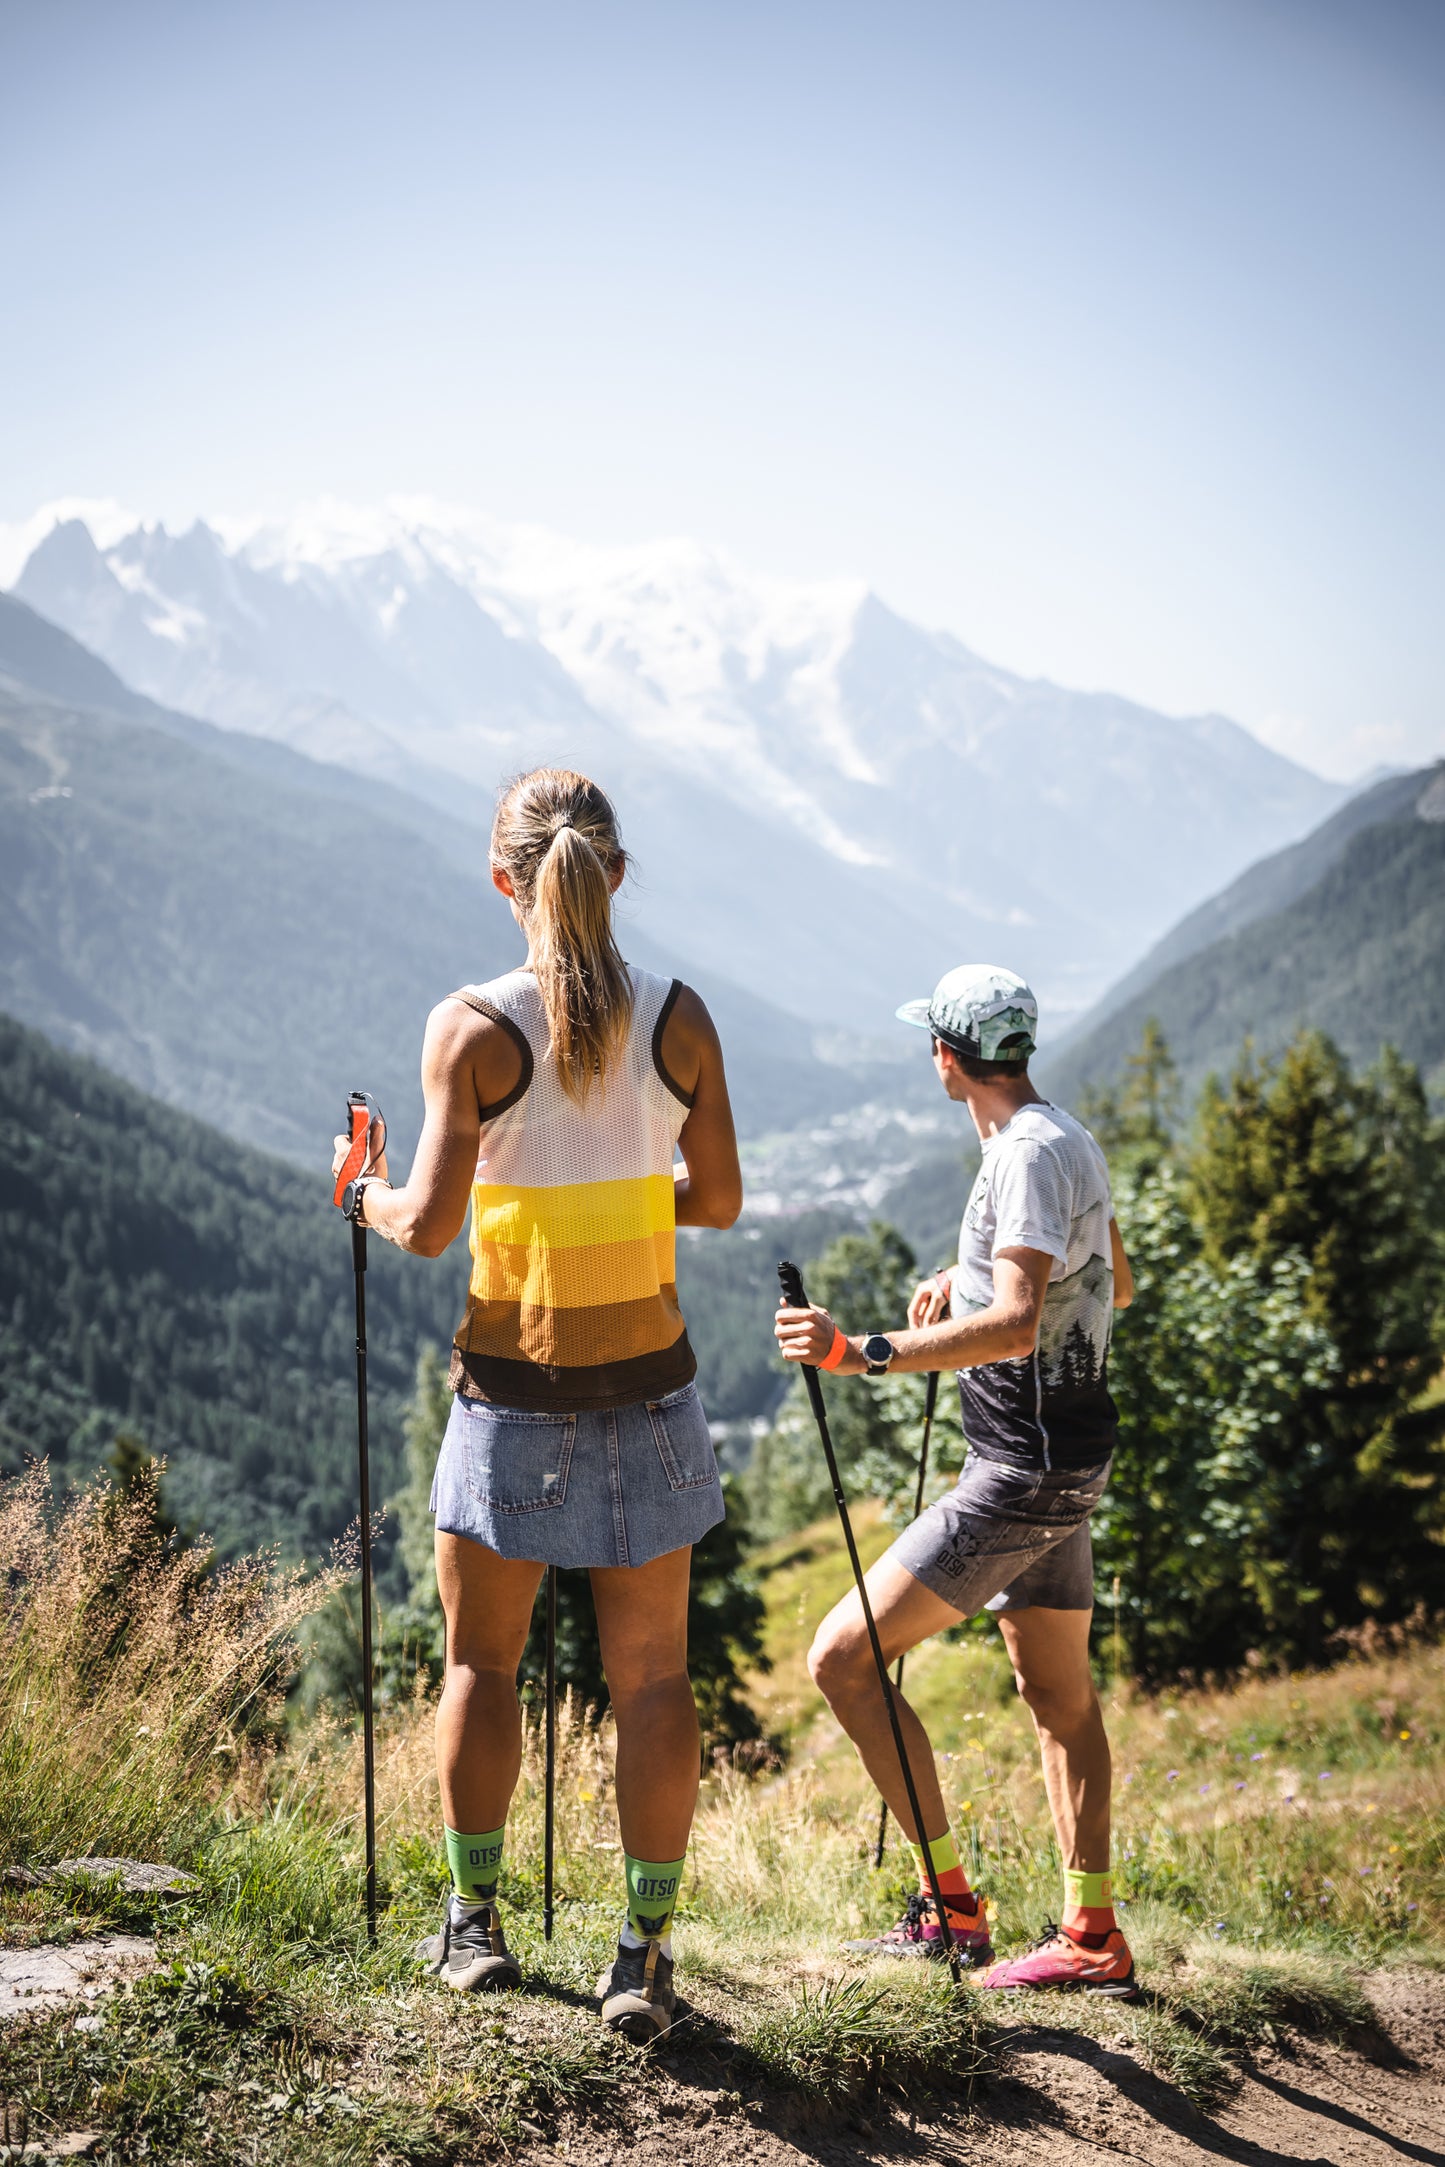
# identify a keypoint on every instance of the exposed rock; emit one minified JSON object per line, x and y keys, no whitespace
{"x":137,"y":1876}
{"x":46,"y":1977}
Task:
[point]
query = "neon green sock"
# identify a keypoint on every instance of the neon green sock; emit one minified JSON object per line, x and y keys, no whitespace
{"x":1088,"y":1902}
{"x":651,"y":1895}
{"x":946,"y":1864}
{"x":475,"y":1862}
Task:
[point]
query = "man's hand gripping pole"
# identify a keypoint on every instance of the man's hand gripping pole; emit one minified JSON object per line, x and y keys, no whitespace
{"x":790,"y":1279}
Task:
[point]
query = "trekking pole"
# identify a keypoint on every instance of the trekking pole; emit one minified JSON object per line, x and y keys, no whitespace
{"x":367,"y":1131}
{"x":549,"y":1814}
{"x":930,"y":1401}
{"x":790,"y":1279}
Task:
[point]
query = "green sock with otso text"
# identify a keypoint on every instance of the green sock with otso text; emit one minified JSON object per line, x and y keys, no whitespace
{"x":651,"y":1896}
{"x":475,"y":1862}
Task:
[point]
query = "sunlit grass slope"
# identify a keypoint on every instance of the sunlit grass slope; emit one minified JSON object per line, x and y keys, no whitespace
{"x":1275,"y":1842}
{"x":1297,"y":1808}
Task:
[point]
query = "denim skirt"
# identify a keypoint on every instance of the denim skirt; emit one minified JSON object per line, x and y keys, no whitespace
{"x":613,"y":1486}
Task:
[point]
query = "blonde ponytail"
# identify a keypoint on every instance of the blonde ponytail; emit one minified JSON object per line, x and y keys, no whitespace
{"x":555,"y":837}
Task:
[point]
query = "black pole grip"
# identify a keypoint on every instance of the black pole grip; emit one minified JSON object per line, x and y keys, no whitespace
{"x":790,"y":1279}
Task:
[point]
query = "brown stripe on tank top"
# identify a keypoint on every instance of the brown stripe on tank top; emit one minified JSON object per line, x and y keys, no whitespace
{"x":542,"y":1388}
{"x":572,"y":1338}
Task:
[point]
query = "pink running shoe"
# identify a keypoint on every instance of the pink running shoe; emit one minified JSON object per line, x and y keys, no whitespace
{"x":1058,"y":1964}
{"x":916,"y":1933}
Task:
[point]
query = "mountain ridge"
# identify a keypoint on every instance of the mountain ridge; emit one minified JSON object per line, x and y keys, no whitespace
{"x":1269,"y":885}
{"x":1344,"y":934}
{"x":901,"y":798}
{"x":190,"y":905}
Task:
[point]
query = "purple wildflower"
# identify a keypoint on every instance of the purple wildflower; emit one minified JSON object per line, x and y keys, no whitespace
{"x":1256,"y":1756}
{"x":1173,"y":1776}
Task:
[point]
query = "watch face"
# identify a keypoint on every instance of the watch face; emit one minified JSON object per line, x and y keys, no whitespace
{"x":877,"y":1350}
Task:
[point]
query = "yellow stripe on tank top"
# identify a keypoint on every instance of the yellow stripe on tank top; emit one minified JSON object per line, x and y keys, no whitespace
{"x":574,"y":1215}
{"x":594,"y":1277}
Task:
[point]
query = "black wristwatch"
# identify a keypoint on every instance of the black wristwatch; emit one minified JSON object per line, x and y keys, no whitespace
{"x":878,"y":1352}
{"x":353,"y":1196}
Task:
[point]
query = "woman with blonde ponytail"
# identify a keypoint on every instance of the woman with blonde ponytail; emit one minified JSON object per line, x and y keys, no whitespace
{"x":556,"y":1099}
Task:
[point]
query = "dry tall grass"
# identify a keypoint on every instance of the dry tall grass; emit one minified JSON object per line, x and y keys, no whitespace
{"x":138,"y":1684}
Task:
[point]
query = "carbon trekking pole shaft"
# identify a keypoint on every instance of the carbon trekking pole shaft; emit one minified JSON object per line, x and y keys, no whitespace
{"x":363,"y":1454}
{"x":366,"y":1145}
{"x":790,"y":1279}
{"x":549,"y":1812}
{"x":930,"y":1401}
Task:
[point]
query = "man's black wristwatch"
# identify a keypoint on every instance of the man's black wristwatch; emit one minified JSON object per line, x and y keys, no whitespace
{"x":878,"y":1352}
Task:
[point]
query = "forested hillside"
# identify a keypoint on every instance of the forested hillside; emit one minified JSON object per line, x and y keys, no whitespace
{"x":1360,"y":954}
{"x":1264,"y":888}
{"x":158,"y":1277}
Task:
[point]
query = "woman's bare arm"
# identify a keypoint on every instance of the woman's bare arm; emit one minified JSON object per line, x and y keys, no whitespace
{"x":468,"y":1063}
{"x":709,"y":1181}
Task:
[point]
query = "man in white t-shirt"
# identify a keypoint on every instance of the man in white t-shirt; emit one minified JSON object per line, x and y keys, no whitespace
{"x":1024,"y":1317}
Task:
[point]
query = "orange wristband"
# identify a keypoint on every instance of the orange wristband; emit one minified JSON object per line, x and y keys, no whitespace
{"x":836,"y":1352}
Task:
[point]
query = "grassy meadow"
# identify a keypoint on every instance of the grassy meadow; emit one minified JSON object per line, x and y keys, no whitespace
{"x":1274,"y":1842}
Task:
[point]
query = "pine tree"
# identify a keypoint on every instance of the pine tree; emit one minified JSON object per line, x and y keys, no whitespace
{"x":1299,"y":1156}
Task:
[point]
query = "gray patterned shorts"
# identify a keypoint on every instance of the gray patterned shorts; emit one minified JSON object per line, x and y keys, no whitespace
{"x":1008,"y":1538}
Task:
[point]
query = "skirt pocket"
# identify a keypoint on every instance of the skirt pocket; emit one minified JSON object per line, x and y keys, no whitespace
{"x":684,"y":1441}
{"x":517,"y":1462}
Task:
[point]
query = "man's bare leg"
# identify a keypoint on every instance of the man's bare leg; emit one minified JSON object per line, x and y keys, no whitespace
{"x":842,"y":1667}
{"x":1049,"y":1650}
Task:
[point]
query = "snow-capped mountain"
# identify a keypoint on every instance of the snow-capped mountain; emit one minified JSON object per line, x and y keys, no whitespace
{"x":826,"y":802}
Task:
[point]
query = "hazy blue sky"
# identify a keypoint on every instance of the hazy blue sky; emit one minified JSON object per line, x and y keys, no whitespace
{"x":1107,"y":333}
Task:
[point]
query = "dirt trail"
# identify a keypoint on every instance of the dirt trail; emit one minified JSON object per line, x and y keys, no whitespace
{"x":1060,"y":2100}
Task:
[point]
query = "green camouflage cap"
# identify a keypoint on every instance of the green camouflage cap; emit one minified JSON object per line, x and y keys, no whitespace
{"x":979,"y":1009}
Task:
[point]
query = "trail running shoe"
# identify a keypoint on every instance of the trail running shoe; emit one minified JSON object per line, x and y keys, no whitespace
{"x":916,"y":1933}
{"x":1057,"y":1963}
{"x":471,"y":1951}
{"x":637,"y":1996}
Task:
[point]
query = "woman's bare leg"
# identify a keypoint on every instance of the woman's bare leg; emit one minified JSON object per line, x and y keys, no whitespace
{"x":642,"y":1624}
{"x":488,"y":1602}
